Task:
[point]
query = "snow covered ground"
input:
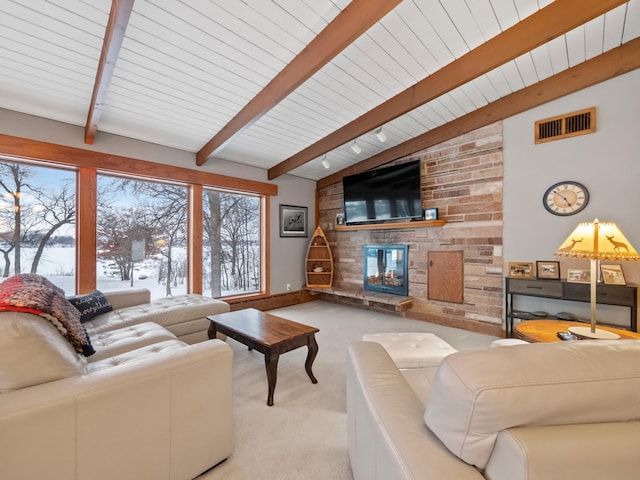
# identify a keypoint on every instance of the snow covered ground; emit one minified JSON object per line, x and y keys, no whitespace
{"x":58,"y":265}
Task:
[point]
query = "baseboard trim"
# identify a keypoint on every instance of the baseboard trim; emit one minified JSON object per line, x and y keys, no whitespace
{"x":287,"y":299}
{"x":473,"y":326}
{"x":269,"y":302}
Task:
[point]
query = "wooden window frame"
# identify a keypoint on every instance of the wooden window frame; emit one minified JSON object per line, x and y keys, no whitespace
{"x":88,"y":164}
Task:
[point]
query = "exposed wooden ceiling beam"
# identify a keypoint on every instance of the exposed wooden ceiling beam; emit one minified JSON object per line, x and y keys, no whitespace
{"x":114,"y":33}
{"x":352,"y":22}
{"x":618,"y":61}
{"x":548,"y":23}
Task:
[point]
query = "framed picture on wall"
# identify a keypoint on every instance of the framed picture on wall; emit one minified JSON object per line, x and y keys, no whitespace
{"x":612,"y":274}
{"x":548,"y":269}
{"x":293,"y":221}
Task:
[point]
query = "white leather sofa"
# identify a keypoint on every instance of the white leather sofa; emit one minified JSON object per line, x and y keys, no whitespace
{"x":145,"y":405}
{"x":183,"y":315}
{"x":565,"y":410}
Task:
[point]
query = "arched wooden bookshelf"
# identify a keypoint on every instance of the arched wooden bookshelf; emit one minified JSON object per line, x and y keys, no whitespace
{"x":319,"y":264}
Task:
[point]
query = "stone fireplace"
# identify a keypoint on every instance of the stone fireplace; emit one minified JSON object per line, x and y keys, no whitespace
{"x":386,"y":269}
{"x":463,"y":179}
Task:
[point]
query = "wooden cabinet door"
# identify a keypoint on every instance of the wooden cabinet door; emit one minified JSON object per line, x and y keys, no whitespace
{"x":445,"y":276}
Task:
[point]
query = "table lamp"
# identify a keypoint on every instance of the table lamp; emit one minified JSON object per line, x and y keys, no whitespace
{"x":597,"y":241}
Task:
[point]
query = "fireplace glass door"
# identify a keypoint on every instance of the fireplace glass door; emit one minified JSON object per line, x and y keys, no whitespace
{"x":386,"y":268}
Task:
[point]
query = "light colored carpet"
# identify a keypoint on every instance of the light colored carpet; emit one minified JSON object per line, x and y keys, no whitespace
{"x":303,"y":435}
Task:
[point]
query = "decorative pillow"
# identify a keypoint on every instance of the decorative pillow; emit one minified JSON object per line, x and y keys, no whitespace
{"x":31,"y":293}
{"x":91,"y":305}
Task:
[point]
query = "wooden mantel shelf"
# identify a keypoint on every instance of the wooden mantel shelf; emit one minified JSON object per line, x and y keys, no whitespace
{"x":391,"y":225}
{"x":399,"y":302}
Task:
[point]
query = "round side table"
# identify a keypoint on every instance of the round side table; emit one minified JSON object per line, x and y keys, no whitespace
{"x":545,"y":330}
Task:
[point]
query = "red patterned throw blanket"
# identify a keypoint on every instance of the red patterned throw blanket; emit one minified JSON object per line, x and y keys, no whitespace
{"x":35,"y":294}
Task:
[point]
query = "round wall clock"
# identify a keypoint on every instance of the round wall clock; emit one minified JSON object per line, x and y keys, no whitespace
{"x":565,"y":198}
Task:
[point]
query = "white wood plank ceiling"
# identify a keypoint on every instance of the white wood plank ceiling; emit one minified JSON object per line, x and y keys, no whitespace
{"x":186,"y":68}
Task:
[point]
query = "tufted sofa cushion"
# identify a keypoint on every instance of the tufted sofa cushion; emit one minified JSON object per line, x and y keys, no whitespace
{"x":147,"y":352}
{"x":180,"y":314}
{"x":477,"y":394}
{"x":32,"y":351}
{"x":412,"y":349}
{"x":115,"y":342}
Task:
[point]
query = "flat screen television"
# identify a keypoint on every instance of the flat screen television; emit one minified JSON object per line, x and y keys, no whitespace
{"x":390,"y":194}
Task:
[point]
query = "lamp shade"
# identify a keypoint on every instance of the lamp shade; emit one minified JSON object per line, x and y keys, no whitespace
{"x":598,"y":241}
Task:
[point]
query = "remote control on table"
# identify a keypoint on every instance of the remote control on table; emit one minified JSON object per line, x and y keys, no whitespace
{"x":566,"y":336}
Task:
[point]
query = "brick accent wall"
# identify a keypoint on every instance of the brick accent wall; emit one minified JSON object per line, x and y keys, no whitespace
{"x":463,"y":178}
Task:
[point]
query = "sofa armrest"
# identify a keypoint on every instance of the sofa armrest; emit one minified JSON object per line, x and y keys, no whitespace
{"x":128,"y":298}
{"x":386,"y":435}
{"x":477,"y":394}
{"x":164,"y":417}
{"x":567,"y":452}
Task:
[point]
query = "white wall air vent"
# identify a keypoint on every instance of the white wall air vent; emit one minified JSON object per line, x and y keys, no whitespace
{"x":567,"y":125}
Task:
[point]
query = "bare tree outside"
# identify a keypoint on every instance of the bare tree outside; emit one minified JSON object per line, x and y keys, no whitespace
{"x":168,"y":214}
{"x":13,"y":178}
{"x":60,"y":211}
{"x":7,"y":240}
{"x":150,"y":215}
{"x":37,"y":209}
{"x":213,"y":216}
{"x":118,"y":230}
{"x":232,"y":235}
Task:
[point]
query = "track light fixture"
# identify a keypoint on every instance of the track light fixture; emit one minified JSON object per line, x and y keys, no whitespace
{"x":355,"y":147}
{"x":381,"y":135}
{"x":325,"y":162}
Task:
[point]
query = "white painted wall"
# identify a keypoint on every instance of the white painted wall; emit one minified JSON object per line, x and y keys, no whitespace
{"x":286,"y":255}
{"x":606,"y":162}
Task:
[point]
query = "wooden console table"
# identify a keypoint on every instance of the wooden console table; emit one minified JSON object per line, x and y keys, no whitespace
{"x":618,"y":295}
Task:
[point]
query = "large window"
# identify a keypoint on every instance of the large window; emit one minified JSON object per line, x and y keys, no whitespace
{"x":231,"y":243}
{"x":37,"y":222}
{"x":89,"y":220}
{"x":141,"y":236}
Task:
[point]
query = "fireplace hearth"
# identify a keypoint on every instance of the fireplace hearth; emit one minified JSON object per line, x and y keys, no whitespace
{"x":386,"y":269}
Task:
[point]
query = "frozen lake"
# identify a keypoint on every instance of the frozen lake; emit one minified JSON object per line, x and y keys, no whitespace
{"x":58,"y":265}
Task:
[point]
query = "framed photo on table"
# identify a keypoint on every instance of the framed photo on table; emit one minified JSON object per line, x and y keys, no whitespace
{"x":293,"y":221}
{"x":548,"y":269}
{"x":521,"y":270}
{"x":579,"y":276}
{"x":431,"y":214}
{"x":612,"y":274}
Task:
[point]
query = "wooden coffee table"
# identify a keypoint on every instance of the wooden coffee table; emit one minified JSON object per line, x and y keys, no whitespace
{"x":268,"y":334}
{"x":545,"y":330}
